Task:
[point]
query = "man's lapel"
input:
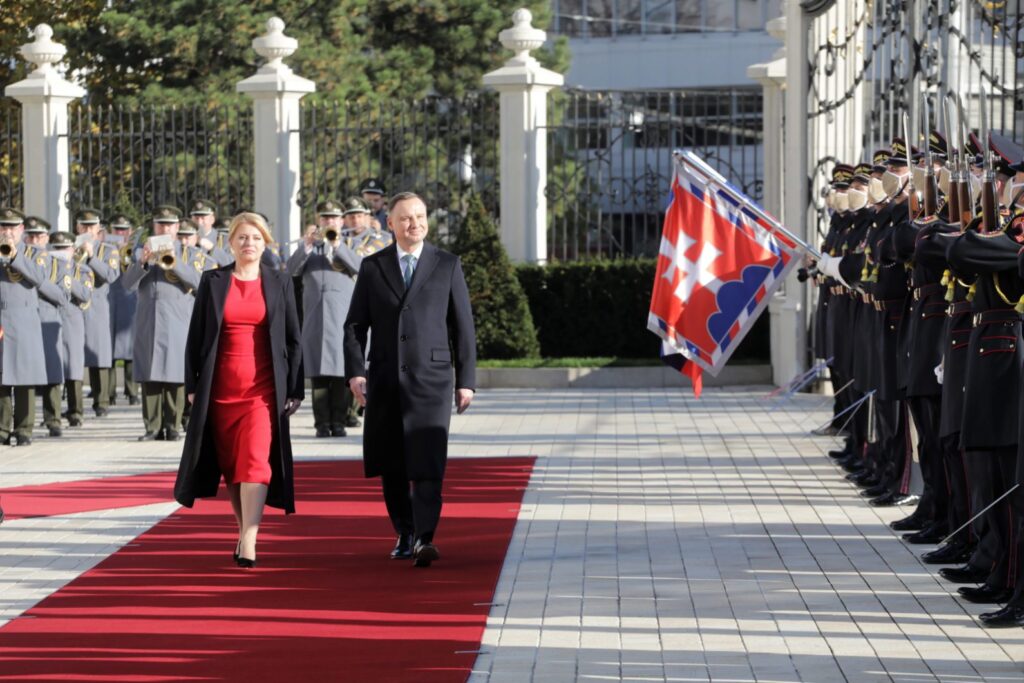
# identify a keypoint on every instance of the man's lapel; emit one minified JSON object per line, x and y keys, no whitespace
{"x":424,"y":267}
{"x":389,"y":265}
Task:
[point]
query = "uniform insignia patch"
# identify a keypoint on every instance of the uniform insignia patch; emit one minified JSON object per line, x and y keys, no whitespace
{"x":40,"y":261}
{"x":112,"y":263}
{"x":67,"y":282}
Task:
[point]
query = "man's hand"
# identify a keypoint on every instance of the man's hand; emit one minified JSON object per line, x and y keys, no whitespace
{"x":358,"y":387}
{"x":291,"y":405}
{"x":191,"y":399}
{"x":206,"y":244}
{"x":463,"y":397}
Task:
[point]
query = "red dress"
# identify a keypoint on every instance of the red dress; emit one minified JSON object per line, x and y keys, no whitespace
{"x":243,"y":387}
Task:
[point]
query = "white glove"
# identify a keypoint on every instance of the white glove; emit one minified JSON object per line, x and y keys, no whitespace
{"x":829,"y":265}
{"x":939,"y":372}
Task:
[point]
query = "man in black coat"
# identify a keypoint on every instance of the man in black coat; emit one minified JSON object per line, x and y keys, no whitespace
{"x":412,"y":298}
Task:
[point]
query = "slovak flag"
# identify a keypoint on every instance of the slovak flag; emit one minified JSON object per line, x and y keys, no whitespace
{"x":720,"y":260}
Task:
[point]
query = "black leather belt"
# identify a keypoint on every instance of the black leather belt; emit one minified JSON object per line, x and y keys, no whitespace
{"x":925,"y":291}
{"x":889,"y":304}
{"x":998,"y":316}
{"x":959,"y":308}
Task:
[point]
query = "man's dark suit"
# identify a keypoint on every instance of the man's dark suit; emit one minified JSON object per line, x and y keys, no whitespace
{"x":417,"y":336}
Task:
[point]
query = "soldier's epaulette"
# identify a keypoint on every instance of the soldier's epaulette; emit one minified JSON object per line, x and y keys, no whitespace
{"x":54,"y":270}
{"x":30,"y":251}
{"x":200,"y":261}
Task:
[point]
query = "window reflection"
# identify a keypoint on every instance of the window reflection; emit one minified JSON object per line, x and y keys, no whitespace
{"x":604,"y":18}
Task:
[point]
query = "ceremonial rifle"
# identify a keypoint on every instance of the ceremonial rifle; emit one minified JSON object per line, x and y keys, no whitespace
{"x":989,"y":208}
{"x":966,"y":201}
{"x":915,"y":204}
{"x":930,"y":189}
{"x":953,"y":144}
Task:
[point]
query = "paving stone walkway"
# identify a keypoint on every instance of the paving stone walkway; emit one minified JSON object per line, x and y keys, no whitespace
{"x":661,"y":539}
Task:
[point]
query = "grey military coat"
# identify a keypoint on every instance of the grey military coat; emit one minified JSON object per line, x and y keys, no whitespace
{"x":328,"y":279}
{"x":22,"y":361}
{"x":73,"y":319}
{"x":122,"y":319}
{"x":106,"y":268}
{"x":53,"y":297}
{"x":163,"y":314}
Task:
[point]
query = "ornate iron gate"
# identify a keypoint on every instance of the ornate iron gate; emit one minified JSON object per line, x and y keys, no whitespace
{"x":610,"y":162}
{"x":133,"y":159}
{"x":444,"y":149}
{"x":11,"y":175}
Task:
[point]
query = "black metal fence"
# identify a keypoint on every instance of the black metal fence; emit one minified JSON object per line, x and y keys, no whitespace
{"x":444,"y":149}
{"x":11,"y":175}
{"x":610,"y":161}
{"x":133,"y":159}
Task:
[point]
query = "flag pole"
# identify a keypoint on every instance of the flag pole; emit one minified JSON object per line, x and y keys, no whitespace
{"x":688,"y":157}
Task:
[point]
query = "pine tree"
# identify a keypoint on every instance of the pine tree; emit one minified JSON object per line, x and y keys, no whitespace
{"x":504,"y":326}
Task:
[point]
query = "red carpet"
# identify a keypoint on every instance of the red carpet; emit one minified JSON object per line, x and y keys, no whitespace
{"x":325,"y":603}
{"x":65,"y":498}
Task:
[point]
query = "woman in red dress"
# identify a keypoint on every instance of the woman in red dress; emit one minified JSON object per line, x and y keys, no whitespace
{"x":241,"y":397}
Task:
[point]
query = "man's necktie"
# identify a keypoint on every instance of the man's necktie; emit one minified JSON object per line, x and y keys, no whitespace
{"x":410,"y":265}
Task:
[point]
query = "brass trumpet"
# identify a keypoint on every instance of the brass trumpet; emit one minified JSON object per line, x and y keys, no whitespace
{"x":81,"y":255}
{"x":331,"y":234}
{"x":7,"y":251}
{"x":125,"y":252}
{"x":166,"y":259}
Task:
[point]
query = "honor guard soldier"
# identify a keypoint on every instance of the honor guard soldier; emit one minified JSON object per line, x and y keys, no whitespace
{"x":203,"y":213}
{"x":78,"y":279}
{"x":165,"y":277}
{"x":53,"y":298}
{"x":122,"y":311}
{"x":359,"y":234}
{"x":104,"y":260}
{"x":327,"y":267}
{"x":372,"y":191}
{"x":22,"y":365}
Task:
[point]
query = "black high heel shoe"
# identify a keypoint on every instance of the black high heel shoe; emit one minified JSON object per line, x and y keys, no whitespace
{"x":246,"y":563}
{"x":234,"y":555}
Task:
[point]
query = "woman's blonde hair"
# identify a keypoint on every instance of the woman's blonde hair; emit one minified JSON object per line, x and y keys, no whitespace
{"x":253,"y":219}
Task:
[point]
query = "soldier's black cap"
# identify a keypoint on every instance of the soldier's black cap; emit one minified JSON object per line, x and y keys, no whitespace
{"x":879,"y":159}
{"x":88,"y":216}
{"x":202,"y":207}
{"x":862,"y":172}
{"x":120,"y":221}
{"x":842,"y":174}
{"x":166,"y":213}
{"x":1008,"y":153}
{"x":187,"y":228}
{"x":34,"y":225}
{"x":371,"y":186}
{"x":355,"y":205}
{"x":937,"y":144}
{"x":9,"y":216}
{"x":61,"y":240}
{"x":898,"y":157}
{"x":329,"y":207}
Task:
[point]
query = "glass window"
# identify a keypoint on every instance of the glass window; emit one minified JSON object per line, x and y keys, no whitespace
{"x":720,"y":15}
{"x":750,"y":15}
{"x":688,"y":16}
{"x":659,"y":16}
{"x":600,"y":13}
{"x":630,"y":17}
{"x":570,"y":18}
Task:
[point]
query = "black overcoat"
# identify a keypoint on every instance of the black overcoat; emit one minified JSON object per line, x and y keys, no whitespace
{"x":418,"y":336}
{"x":199,"y":475}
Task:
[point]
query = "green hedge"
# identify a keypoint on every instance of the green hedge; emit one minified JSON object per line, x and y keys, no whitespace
{"x":599,"y":308}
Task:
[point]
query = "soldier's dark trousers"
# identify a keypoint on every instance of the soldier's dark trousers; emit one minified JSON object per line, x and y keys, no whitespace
{"x":17,"y":416}
{"x":331,"y":400}
{"x":858,"y":421}
{"x":841,"y":397}
{"x":1001,"y":473}
{"x":162,"y":405}
{"x":979,"y":471}
{"x":76,"y":401}
{"x":413,"y":506}
{"x":958,"y":508}
{"x":131,"y":387}
{"x":890,"y":449}
{"x":51,"y":394}
{"x":99,"y":386}
{"x":934,"y":498}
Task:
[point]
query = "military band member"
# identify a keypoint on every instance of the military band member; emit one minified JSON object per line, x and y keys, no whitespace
{"x":203,"y":213}
{"x":104,"y":260}
{"x":359,"y":234}
{"x":165,"y":280}
{"x":372,"y":192}
{"x":22,"y":363}
{"x":327,"y":267}
{"x":122,"y":312}
{"x":78,"y":279}
{"x":53,"y":297}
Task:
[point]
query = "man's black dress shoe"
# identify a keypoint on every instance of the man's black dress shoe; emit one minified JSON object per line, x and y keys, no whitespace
{"x":909,"y":499}
{"x":338,"y":431}
{"x":56,"y":431}
{"x":853,"y":465}
{"x":964,"y":574}
{"x":985,"y":594}
{"x":1011,"y":615}
{"x":885,"y":500}
{"x":866,"y":480}
{"x":933,"y":533}
{"x":423,"y":554}
{"x":132,"y":400}
{"x":353,"y":421}
{"x":113,"y":400}
{"x":912,"y":522}
{"x":839,"y":455}
{"x":403,"y":548}
{"x":323,"y":432}
{"x":74,"y":422}
{"x":150,"y":436}
{"x":22,"y":440}
{"x":947,"y":554}
{"x":875,"y":491}
{"x":171,"y":435}
{"x":101,"y":412}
